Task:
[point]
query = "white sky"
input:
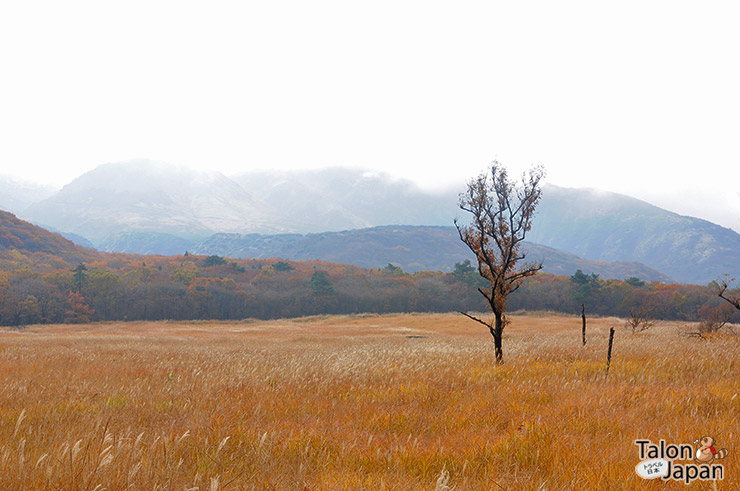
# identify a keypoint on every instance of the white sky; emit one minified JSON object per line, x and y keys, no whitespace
{"x":637,"y":97}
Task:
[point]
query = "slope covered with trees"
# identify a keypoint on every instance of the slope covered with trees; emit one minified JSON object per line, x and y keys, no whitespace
{"x":45,"y":278}
{"x":25,"y":245}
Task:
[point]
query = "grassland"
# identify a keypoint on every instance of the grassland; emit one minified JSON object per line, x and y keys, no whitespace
{"x":362,"y":402}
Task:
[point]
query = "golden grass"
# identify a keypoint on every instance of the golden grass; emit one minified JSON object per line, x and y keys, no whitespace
{"x":363,"y":402}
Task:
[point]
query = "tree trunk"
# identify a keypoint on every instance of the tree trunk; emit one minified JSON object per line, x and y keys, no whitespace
{"x":498,"y":332}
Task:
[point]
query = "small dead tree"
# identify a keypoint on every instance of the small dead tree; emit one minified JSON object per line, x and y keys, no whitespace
{"x":502,"y":214}
{"x":714,"y":319}
{"x":638,"y":321}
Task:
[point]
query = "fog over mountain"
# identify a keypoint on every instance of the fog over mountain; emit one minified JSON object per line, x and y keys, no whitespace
{"x":335,"y":199}
{"x":149,"y":207}
{"x":16,"y":194}
{"x":148,"y":196}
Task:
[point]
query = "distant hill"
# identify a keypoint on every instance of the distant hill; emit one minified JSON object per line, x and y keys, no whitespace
{"x":147,"y":196}
{"x":146,"y":243}
{"x":149,"y":207}
{"x":78,"y":239}
{"x":411,"y":248}
{"x":18,"y":237}
{"x":612,"y":227}
{"x":16,"y":195}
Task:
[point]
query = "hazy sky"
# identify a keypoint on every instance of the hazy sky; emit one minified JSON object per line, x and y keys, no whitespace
{"x":637,"y":97}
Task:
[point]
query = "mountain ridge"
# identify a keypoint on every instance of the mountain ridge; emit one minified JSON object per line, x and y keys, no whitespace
{"x":113,"y":205}
{"x":152,"y":197}
{"x":613,"y":227}
{"x":413,"y":248}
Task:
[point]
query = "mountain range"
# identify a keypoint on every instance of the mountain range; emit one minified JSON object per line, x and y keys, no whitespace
{"x":612,"y":227}
{"x":17,"y":195}
{"x":146,"y":196}
{"x":350,"y":215}
{"x":413,"y":248}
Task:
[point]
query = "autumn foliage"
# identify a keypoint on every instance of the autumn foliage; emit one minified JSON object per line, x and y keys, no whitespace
{"x":79,"y":312}
{"x":36,"y":286}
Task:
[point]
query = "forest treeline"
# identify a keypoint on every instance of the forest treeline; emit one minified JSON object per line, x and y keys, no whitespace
{"x":134,"y":287}
{"x":44,"y":278}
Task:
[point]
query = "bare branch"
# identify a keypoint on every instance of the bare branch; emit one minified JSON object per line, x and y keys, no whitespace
{"x":487,"y":324}
{"x":721,"y":288}
{"x":529,"y":271}
{"x":734,"y":301}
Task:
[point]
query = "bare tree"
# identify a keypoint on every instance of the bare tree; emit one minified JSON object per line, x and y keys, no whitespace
{"x":502,"y":213}
{"x":638,"y":321}
{"x":714,"y":319}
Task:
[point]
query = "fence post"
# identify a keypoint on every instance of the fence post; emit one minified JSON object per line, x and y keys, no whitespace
{"x":609,"y":353}
{"x":583,"y":329}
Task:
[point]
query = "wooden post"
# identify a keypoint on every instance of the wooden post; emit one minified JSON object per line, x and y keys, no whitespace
{"x":609,"y":353}
{"x":583,"y":329}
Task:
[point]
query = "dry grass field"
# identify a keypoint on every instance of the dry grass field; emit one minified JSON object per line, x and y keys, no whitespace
{"x":361,"y":402}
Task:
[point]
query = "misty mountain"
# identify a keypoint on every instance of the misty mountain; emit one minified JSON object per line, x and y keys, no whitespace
{"x":147,"y":196}
{"x":413,"y":248}
{"x":113,"y":203}
{"x":612,"y":227}
{"x":437,"y":247}
{"x":335,"y":199}
{"x":144,"y":206}
{"x":16,"y":195}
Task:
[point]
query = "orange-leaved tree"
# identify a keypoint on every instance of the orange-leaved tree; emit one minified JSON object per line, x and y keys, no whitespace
{"x":79,"y":312}
{"x":502,"y":213}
